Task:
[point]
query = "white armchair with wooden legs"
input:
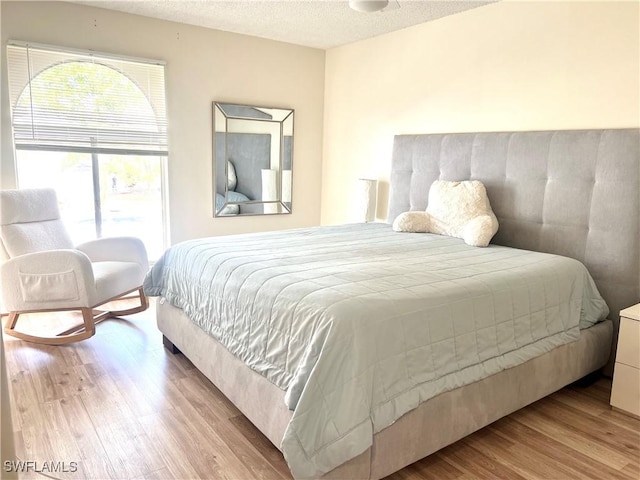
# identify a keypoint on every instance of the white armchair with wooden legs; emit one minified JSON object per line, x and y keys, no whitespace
{"x":44,"y":272}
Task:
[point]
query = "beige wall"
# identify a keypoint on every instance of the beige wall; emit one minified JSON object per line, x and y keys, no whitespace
{"x":506,"y":66}
{"x":202,"y":66}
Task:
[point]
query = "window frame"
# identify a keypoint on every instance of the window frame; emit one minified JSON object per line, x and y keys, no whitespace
{"x":23,"y":70}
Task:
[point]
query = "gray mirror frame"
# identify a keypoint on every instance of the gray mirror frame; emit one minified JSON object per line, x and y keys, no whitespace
{"x":225,"y":113}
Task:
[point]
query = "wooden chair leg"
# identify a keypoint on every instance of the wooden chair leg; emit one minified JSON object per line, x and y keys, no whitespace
{"x":13,"y":319}
{"x":89,"y":321}
{"x":88,"y":331}
{"x":100,"y":315}
{"x":96,"y":315}
{"x":144,"y":304}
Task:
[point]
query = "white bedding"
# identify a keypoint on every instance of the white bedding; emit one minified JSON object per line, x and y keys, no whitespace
{"x":360,"y":324}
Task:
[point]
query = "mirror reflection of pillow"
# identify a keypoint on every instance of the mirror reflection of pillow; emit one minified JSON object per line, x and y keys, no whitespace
{"x":221,"y":209}
{"x":232,"y":179}
{"x":455,"y":209}
{"x":237,"y":197}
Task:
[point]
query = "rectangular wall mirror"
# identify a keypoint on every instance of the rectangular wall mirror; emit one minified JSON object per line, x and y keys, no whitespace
{"x":252,"y":160}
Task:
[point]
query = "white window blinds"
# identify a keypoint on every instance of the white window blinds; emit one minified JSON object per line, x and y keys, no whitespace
{"x":86,"y":102}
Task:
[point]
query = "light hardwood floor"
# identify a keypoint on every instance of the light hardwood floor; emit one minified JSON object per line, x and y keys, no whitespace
{"x":121,"y":406}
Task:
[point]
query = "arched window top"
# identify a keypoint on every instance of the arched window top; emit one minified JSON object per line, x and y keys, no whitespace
{"x":87,"y":87}
{"x":75,"y":102}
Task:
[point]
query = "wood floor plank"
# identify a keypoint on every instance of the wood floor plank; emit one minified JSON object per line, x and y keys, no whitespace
{"x":210,"y":454}
{"x":125,"y":440}
{"x":549,"y":447}
{"x":262,"y":444}
{"x":71,"y":357}
{"x":222,"y":402}
{"x":259,"y":466}
{"x":147,"y":390}
{"x":467,"y":459}
{"x":633,"y":471}
{"x":624,"y":441}
{"x":141,"y":396}
{"x":61,"y":439}
{"x":43,"y":381}
{"x":37,"y":446}
{"x":93,"y":456}
{"x":433,"y":467}
{"x":67,"y":380}
{"x":174,"y":367}
{"x":105,"y":403}
{"x":162,"y":474}
{"x":205,"y":401}
{"x":171,"y":451}
{"x":126,"y":408}
{"x":598,"y":451}
{"x":578,"y":400}
{"x":600,"y":391}
{"x":525,"y":460}
{"x":24,"y":399}
{"x":620,"y":419}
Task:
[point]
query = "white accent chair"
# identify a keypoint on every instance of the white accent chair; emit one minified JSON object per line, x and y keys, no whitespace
{"x":44,"y":272}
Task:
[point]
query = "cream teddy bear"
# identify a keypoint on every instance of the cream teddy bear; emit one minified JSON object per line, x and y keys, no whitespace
{"x":456,"y":209}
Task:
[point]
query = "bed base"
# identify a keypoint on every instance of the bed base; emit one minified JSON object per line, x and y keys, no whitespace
{"x":170,"y":346}
{"x":435,"y":424}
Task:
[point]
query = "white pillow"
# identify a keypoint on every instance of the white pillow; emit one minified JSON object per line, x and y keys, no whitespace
{"x":455,"y":209}
{"x":232,"y":180}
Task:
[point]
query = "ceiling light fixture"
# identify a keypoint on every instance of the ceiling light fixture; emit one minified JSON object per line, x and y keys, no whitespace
{"x":368,"y":6}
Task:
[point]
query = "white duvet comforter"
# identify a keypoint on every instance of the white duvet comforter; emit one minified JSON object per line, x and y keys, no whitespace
{"x":360,"y":324}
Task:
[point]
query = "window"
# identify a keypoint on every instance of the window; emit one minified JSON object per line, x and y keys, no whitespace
{"x":93,"y":127}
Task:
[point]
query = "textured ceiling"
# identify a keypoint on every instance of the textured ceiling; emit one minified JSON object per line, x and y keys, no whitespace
{"x":313,"y":23}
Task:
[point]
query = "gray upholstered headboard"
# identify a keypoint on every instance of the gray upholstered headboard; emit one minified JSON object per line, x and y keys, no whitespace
{"x":573,"y":193}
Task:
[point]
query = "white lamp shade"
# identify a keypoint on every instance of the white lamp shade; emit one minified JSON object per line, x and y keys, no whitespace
{"x":286,"y":186}
{"x":269,"y":190}
{"x":367,"y":192}
{"x":368,"y":6}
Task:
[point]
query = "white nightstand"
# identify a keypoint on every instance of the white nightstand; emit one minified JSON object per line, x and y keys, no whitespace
{"x":625,"y":393}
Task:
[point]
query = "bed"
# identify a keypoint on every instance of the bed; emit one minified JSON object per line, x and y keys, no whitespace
{"x":572,"y":193}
